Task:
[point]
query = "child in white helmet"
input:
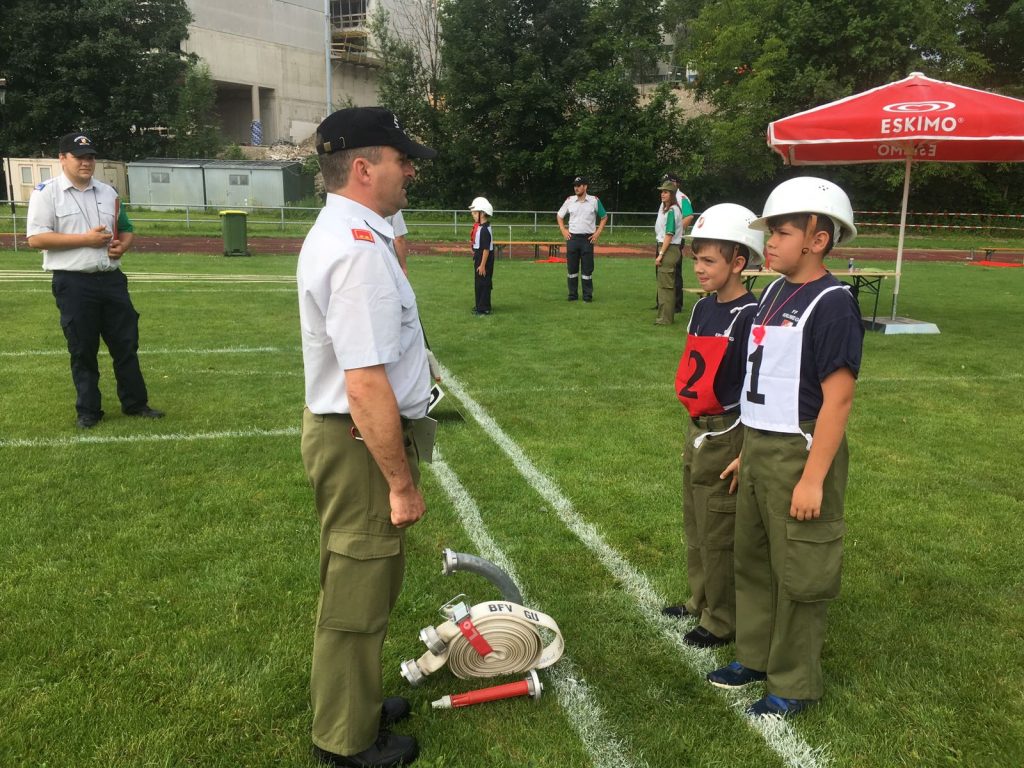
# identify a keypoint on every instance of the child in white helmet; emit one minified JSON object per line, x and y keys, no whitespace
{"x":708,"y":384}
{"x":803,"y":356}
{"x":483,"y":254}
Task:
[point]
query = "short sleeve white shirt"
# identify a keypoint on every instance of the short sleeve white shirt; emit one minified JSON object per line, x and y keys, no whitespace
{"x":582,"y":214}
{"x":57,"y":206}
{"x":397,"y":223}
{"x":661,"y":224}
{"x":357,"y":310}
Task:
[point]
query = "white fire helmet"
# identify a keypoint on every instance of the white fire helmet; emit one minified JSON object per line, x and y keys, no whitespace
{"x":730,"y":222}
{"x":481,"y":204}
{"x":808,"y":194}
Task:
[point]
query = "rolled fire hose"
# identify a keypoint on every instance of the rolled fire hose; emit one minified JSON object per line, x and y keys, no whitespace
{"x":500,"y":637}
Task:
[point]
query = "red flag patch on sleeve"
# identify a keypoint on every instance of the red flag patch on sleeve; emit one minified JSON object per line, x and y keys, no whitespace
{"x":363,"y":234}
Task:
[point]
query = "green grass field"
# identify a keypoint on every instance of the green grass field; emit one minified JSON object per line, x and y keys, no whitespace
{"x":158,"y":579}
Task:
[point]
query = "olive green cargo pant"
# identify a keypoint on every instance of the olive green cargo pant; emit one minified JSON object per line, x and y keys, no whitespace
{"x":667,"y":285}
{"x":362,"y":562}
{"x":787,"y":570}
{"x":709,"y":518}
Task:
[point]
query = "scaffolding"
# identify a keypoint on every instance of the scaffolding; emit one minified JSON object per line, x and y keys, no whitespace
{"x":350,"y":36}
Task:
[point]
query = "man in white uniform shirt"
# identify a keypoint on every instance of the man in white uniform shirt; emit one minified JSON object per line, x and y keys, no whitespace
{"x":367,"y":381}
{"x":83,"y":232}
{"x":587,"y":218}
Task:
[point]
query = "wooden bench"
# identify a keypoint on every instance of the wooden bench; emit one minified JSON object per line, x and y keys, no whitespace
{"x":553,"y":248}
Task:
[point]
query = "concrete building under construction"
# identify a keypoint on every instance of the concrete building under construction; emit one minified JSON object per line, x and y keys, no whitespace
{"x":272,"y":60}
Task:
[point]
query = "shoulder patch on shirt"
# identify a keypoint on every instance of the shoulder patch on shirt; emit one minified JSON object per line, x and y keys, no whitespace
{"x":363,"y":234}
{"x":41,"y":185}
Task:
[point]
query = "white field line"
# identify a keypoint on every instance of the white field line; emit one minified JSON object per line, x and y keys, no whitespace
{"x":162,"y":277}
{"x":147,"y":289}
{"x":168,"y":351}
{"x":606,"y":750}
{"x":862,"y":381}
{"x":779,"y":735}
{"x":171,"y":437}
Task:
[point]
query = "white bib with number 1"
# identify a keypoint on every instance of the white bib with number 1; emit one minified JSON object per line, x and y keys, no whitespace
{"x":771,"y":387}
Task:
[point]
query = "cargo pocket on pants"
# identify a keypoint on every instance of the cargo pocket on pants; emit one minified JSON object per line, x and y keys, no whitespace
{"x":720,"y":532}
{"x":357,"y":589}
{"x":814,"y":559}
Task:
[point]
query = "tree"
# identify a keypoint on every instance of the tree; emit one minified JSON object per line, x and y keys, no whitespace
{"x":530,"y":93}
{"x":194,"y":125}
{"x":760,"y":60}
{"x":102,"y":66}
{"x":408,"y":83}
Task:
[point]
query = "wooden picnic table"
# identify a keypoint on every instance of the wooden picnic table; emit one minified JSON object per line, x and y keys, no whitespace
{"x":553,"y":247}
{"x":868,"y":280}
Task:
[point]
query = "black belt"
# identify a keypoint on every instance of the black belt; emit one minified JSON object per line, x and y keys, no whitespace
{"x":581,"y":234}
{"x":715,"y":421}
{"x":90,"y":274}
{"x":347,"y":418}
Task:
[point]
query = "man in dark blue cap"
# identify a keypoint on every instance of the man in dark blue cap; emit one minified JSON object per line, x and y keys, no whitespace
{"x":367,"y":384}
{"x":587,"y":218}
{"x":78,"y":223}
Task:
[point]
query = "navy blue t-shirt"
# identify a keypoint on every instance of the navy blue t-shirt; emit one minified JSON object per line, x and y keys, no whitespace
{"x":482,"y":242}
{"x":713,"y":318}
{"x":833,"y":337}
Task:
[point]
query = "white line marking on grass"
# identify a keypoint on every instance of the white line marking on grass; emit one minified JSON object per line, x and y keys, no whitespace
{"x":249,"y":373}
{"x":652,"y":387}
{"x":780,"y":736}
{"x":939,"y":379}
{"x":175,"y":351}
{"x":159,"y":277}
{"x":170,"y":437}
{"x":586,"y":716}
{"x":150,"y":289}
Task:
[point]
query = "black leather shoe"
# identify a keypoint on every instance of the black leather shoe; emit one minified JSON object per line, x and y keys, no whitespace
{"x":146,"y":412}
{"x":702,"y":638}
{"x":89,"y":420}
{"x":675,"y":611}
{"x":394,"y":710}
{"x":389,"y":749}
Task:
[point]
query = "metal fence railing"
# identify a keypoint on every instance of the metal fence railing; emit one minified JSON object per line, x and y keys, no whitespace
{"x":508,"y":225}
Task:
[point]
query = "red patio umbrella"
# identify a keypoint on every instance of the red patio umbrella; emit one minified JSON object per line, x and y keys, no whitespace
{"x":914,"y":119}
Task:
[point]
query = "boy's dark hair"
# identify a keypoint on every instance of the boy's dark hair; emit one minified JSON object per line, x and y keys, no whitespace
{"x":800,"y":220}
{"x":727,"y":248}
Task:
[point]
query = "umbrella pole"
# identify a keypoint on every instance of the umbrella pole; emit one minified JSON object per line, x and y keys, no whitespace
{"x":903,"y":229}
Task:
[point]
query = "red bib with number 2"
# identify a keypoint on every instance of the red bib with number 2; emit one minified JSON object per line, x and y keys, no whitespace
{"x":695,"y":378}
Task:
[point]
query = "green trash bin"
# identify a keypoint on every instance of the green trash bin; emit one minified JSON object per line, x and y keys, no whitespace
{"x":233,"y":228}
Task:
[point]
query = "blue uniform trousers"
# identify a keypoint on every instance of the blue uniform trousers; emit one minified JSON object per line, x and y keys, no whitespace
{"x":95,"y":305}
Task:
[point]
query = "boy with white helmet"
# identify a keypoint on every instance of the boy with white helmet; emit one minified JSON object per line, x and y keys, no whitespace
{"x":708,"y":384}
{"x":804,"y":354}
{"x":483,"y":254}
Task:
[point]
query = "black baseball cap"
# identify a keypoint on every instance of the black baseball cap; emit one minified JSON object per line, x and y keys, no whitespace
{"x":77,"y":144}
{"x":357,"y":127}
{"x":580,"y":180}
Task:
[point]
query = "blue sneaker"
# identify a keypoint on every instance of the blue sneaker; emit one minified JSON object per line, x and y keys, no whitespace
{"x":773,"y":707}
{"x":735,"y":676}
